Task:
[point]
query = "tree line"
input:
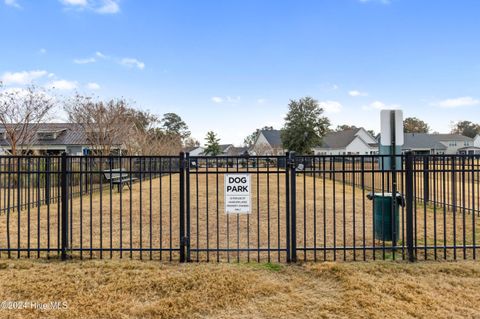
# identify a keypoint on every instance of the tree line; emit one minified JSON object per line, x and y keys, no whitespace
{"x":110,"y":126}
{"x":305,"y":126}
{"x":116,"y":124}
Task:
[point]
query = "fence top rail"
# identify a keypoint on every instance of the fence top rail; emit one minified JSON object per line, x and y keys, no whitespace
{"x":476,"y":156}
{"x":92,"y":156}
{"x":237,"y":156}
{"x":245,"y":157}
{"x":125,"y":156}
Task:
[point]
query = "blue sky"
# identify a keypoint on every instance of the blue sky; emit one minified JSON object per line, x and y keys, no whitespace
{"x":232,"y":66}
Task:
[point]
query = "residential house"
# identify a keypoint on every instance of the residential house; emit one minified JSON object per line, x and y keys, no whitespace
{"x":237,"y":151}
{"x":51,"y":138}
{"x":224,"y":148}
{"x":194,"y":150}
{"x":348,"y":142}
{"x":423,"y":143}
{"x":268,"y":142}
{"x":476,"y":141}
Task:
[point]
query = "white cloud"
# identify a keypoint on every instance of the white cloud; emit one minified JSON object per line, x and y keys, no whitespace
{"x":22,"y":78}
{"x":378,"y":105}
{"x":331,"y":106}
{"x":98,"y":6}
{"x":356,"y":93}
{"x":457,"y":102}
{"x":261,"y":101}
{"x":13,"y":3}
{"x":131,"y":62}
{"x":63,"y":85}
{"x":93,"y":86}
{"x":227,"y":99}
{"x":84,"y":61}
{"x":92,"y":59}
{"x":108,"y":7}
{"x":101,"y":55}
{"x":98,"y":56}
{"x":42,"y":51}
{"x":80,"y":3}
{"x":217,"y":99}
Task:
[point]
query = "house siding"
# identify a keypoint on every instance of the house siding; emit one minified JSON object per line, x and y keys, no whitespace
{"x":454,"y":146}
{"x":262,"y":147}
{"x":359,"y":145}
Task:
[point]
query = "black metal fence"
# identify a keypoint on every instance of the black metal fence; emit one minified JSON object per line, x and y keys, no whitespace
{"x":305,"y":208}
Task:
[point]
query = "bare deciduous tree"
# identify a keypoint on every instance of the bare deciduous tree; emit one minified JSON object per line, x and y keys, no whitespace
{"x":191,"y":142}
{"x":107,"y":125}
{"x":21,"y":112}
{"x":116,"y":125}
{"x":153,"y":142}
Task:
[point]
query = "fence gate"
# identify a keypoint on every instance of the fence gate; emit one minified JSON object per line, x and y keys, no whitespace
{"x":261,"y":235}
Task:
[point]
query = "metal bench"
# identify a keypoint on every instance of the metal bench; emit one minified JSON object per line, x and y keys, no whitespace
{"x":119,"y":177}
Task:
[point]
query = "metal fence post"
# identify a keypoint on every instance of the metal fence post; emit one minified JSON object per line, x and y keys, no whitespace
{"x":287,"y":203}
{"x":409,"y":184}
{"x":64,"y":207}
{"x":187,"y":208}
{"x":182,"y":206}
{"x":293,"y":206}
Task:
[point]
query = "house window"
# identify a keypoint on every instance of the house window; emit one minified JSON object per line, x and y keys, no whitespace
{"x":46,"y":135}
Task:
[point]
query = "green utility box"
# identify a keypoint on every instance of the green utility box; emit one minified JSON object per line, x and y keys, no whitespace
{"x":382,"y":211}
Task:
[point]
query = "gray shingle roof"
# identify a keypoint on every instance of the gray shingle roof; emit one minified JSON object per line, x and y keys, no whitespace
{"x":273,"y":138}
{"x":339,"y":139}
{"x":421,"y":141}
{"x":189,"y":149}
{"x":237,"y":151}
{"x":69,"y":134}
{"x":450,"y":137}
{"x":223,"y":147}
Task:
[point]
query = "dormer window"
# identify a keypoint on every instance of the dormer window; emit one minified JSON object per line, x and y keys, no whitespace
{"x":48,"y":135}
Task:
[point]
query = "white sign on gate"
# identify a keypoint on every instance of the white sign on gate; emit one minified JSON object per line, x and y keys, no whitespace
{"x":237,"y":194}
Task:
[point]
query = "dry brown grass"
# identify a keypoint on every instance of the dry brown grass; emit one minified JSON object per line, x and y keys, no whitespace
{"x":342,"y":217}
{"x":135,"y":289}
